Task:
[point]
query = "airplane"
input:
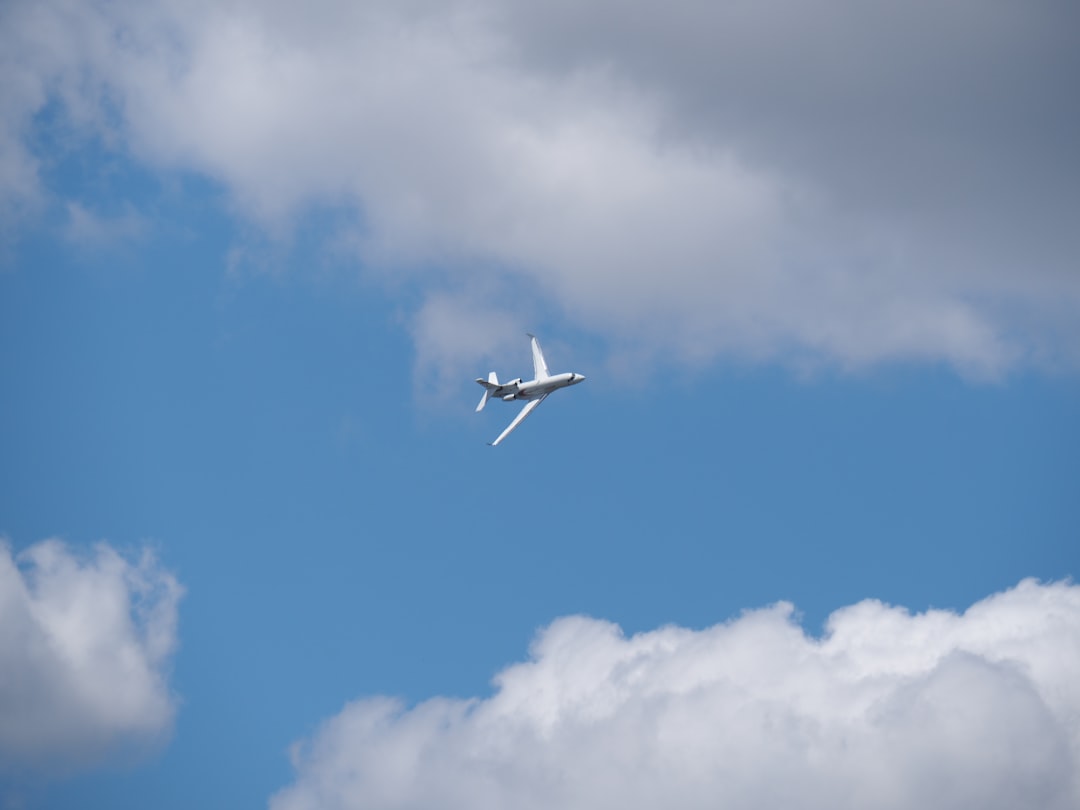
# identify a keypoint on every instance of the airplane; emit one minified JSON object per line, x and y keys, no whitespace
{"x":535,"y":390}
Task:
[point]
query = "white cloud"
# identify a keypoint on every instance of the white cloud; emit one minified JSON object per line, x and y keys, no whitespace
{"x":769,"y":181}
{"x":85,"y":646}
{"x":887,"y":710}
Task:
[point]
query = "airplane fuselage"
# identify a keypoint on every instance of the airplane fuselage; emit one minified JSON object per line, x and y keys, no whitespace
{"x":534,"y":389}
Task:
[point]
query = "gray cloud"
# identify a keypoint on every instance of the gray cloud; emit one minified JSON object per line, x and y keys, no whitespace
{"x":888,"y":710}
{"x":846,"y":183}
{"x":85,"y":646}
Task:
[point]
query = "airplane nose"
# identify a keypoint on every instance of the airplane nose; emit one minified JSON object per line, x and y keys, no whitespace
{"x":579,"y":378}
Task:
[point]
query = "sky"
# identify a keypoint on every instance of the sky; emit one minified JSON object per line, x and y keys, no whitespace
{"x":805,"y":537}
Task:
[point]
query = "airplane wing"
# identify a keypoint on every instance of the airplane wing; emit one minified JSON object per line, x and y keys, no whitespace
{"x":540,"y":369}
{"x":530,"y":406}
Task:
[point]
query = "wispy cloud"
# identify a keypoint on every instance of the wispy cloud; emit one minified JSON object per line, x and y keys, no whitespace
{"x":888,"y":710}
{"x":90,"y":230}
{"x":85,"y":648}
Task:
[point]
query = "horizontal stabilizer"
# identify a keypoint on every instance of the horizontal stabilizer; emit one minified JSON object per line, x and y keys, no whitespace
{"x":483,"y":400}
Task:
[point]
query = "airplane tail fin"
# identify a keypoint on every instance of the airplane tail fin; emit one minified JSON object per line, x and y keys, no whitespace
{"x":491,"y":383}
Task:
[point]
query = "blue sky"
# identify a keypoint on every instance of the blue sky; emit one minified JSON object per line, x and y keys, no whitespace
{"x":247,"y":284}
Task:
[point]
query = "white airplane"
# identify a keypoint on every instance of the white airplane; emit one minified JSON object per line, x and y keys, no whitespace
{"x":535,"y":390}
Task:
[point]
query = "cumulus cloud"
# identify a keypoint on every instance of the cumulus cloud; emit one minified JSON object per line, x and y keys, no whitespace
{"x":844,"y":183}
{"x":85,"y":646}
{"x":888,"y":709}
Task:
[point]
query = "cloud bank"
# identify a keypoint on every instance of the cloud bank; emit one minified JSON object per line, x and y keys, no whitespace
{"x":887,"y":709}
{"x":846,"y":183}
{"x":85,"y":646}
